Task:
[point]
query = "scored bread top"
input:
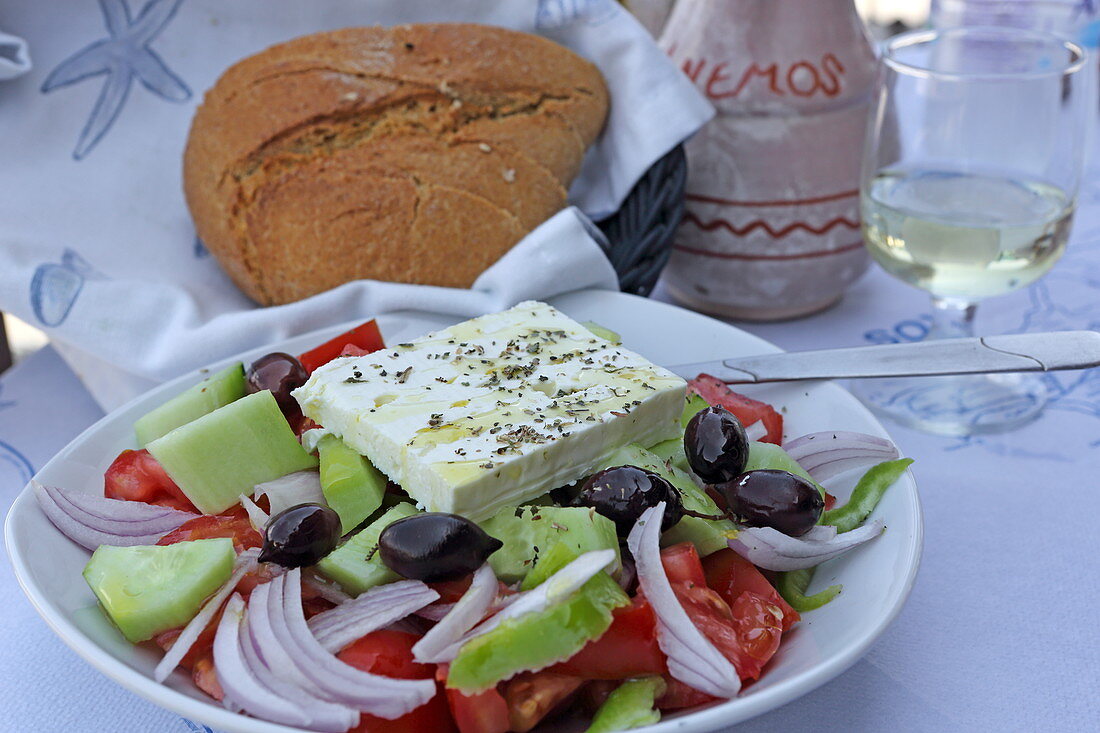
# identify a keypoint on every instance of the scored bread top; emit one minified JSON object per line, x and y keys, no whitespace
{"x":417,"y":153}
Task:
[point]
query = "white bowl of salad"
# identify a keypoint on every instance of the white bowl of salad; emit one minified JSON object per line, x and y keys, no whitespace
{"x":513,"y":523}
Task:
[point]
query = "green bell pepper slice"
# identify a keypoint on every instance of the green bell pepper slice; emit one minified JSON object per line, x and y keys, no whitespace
{"x":866,"y":495}
{"x":630,"y":705}
{"x":792,"y":586}
{"x":541,"y":638}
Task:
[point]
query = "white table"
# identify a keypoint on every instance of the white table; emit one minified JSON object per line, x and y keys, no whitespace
{"x":999,"y":633}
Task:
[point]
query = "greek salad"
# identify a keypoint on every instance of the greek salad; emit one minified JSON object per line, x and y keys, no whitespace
{"x":496,"y":527}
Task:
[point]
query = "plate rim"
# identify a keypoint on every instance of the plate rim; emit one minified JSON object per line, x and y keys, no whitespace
{"x":208,"y":711}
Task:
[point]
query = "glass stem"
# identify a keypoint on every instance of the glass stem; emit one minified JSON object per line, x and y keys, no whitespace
{"x":952,"y":318}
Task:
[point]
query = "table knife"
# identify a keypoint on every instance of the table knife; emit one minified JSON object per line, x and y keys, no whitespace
{"x":1028,"y":352}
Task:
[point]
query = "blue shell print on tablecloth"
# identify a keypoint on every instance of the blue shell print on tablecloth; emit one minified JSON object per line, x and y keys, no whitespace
{"x":124,"y":55}
{"x":55,"y":287}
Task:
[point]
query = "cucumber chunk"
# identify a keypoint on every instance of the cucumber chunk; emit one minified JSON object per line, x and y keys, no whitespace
{"x":225,"y":453}
{"x":349,"y":566}
{"x":527,"y":531}
{"x":352,"y":486}
{"x":208,"y":395}
{"x":708,"y":535}
{"x":149,"y":589}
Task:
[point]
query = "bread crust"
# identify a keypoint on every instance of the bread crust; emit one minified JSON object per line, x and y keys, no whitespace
{"x":417,"y":153}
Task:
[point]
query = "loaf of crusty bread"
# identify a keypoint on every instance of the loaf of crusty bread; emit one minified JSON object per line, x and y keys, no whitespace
{"x":417,"y":154}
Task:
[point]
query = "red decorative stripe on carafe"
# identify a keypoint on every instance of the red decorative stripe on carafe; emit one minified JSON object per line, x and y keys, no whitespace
{"x":746,"y":256}
{"x":781,"y":202}
{"x":709,"y":226}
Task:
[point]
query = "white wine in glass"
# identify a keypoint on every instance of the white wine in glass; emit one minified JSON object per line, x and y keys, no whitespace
{"x":974,"y":156}
{"x":964,"y":235}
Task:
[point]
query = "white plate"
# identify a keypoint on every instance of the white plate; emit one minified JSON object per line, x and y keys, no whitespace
{"x":877,"y":577}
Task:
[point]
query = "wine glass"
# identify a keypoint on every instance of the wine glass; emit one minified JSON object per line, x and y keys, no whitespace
{"x":974,"y":155}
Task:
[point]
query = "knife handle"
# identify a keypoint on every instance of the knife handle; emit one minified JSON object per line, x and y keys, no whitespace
{"x":1029,"y":352}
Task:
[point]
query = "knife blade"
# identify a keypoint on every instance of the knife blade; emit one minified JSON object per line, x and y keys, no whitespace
{"x":1028,"y":352}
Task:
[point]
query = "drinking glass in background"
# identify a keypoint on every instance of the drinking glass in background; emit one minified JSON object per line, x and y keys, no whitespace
{"x":972,"y":164}
{"x":1077,"y":20}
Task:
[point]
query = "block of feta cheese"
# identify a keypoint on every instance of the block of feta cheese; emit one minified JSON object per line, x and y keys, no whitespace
{"x":496,"y":410}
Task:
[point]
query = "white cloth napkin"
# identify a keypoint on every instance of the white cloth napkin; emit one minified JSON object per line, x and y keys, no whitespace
{"x":97,"y":246}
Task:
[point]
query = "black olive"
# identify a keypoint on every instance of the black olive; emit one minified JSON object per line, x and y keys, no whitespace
{"x":623,"y":493}
{"x":301,"y":535}
{"x":776,"y":499}
{"x":281,"y":373}
{"x":716,"y":445}
{"x":435,"y":547}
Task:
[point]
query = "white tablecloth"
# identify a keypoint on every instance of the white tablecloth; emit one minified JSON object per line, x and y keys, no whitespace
{"x":1000,"y":631}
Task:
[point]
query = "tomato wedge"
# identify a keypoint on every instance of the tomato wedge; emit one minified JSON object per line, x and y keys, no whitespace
{"x":136,"y":476}
{"x":451,"y":590}
{"x":730,"y":575}
{"x":531,"y":696}
{"x":681,"y":563}
{"x":747,"y":632}
{"x":389,"y":653}
{"x":627,"y":649}
{"x":747,"y":410}
{"x":232,"y":523}
{"x":485,"y":712}
{"x":679,"y":695}
{"x":362,"y":339}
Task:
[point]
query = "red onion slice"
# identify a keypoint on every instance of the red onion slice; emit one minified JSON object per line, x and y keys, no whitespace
{"x":554,"y":589}
{"x":772,"y":550}
{"x":238,"y":681}
{"x":143,"y":524}
{"x":382,"y":696}
{"x":300,"y":487}
{"x":435,"y":611}
{"x":692,"y":658}
{"x":463,"y":616}
{"x":245,"y":563}
{"x":321,"y":714}
{"x":820,"y":533}
{"x":831,"y":453}
{"x":377,"y":608}
{"x":271,"y":636}
{"x":329,"y":591}
{"x":121,"y":511}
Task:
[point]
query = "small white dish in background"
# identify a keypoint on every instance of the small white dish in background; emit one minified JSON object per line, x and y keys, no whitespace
{"x":876,"y":577}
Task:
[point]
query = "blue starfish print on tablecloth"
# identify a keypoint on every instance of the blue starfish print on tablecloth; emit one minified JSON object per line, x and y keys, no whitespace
{"x":123,"y":56}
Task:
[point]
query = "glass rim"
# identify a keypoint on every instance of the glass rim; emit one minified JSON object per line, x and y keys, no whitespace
{"x":902,"y":41}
